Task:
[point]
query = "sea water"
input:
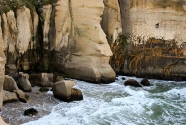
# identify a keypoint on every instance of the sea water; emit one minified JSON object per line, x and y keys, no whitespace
{"x":162,"y":103}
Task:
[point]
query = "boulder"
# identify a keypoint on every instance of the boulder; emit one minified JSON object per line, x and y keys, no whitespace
{"x":2,"y":121}
{"x":76,"y":95}
{"x":145,"y":82}
{"x":24,"y":84}
{"x":22,"y":96}
{"x":30,"y":112}
{"x":41,"y":79}
{"x":24,"y":74}
{"x":9,"y":84}
{"x":81,"y":50}
{"x":62,"y":90}
{"x":132,"y":82}
{"x":9,"y":96}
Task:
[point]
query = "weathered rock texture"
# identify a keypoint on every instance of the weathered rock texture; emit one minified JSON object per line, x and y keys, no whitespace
{"x":153,"y":40}
{"x":81,"y":44}
{"x":65,"y":37}
{"x":2,"y":66}
{"x":63,"y":90}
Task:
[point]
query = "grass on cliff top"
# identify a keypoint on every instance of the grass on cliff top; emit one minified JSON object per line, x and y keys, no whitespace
{"x":7,"y":5}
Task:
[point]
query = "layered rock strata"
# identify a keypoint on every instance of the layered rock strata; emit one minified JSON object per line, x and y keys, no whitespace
{"x":153,"y":40}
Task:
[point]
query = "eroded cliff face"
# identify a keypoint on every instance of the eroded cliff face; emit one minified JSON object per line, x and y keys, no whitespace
{"x":82,"y":48}
{"x":111,"y":20}
{"x":65,"y":37}
{"x":153,"y":40}
{"x":2,"y":66}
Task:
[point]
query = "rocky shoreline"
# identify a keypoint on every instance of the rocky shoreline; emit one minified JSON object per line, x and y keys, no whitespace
{"x":11,"y":111}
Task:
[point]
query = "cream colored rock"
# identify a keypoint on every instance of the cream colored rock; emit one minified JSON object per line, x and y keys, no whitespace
{"x":9,"y":96}
{"x":24,"y":26}
{"x":63,"y":23}
{"x":9,"y":84}
{"x":9,"y":31}
{"x":45,"y":17}
{"x":5,"y":28}
{"x":111,"y":19}
{"x":2,"y":67}
{"x":9,"y":28}
{"x":153,"y":18}
{"x":80,"y":21}
{"x":62,"y":89}
{"x":11,"y":21}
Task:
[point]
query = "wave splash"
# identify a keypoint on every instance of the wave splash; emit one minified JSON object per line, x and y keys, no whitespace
{"x":115,"y":104}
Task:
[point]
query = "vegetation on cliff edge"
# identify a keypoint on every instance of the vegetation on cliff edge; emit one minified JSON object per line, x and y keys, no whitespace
{"x":6,"y":5}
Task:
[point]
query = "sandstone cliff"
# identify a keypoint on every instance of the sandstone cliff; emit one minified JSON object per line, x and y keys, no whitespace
{"x":153,"y":40}
{"x":2,"y":67}
{"x":64,"y":37}
{"x":147,"y":38}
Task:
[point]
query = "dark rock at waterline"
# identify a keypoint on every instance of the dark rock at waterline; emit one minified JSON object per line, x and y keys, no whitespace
{"x":30,"y":112}
{"x":63,"y":90}
{"x":41,"y":79}
{"x":76,"y":95}
{"x":22,"y":96}
{"x":44,"y":89}
{"x":132,"y":82}
{"x":11,"y":69}
{"x":123,"y":78}
{"x":24,"y":84}
{"x":145,"y":82}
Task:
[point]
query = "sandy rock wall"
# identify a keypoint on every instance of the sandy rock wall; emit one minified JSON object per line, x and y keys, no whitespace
{"x":65,"y":37}
{"x":88,"y":45}
{"x":111,"y":20}
{"x":2,"y":66}
{"x":153,"y":40}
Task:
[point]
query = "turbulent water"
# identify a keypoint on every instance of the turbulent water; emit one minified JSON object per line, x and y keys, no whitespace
{"x":163,"y":103}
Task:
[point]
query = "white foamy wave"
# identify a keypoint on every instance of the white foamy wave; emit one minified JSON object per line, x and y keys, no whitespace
{"x":176,"y":93}
{"x":139,"y":93}
{"x":116,"y":104}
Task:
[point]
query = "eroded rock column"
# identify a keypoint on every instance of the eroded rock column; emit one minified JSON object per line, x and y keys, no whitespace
{"x":89,"y":50}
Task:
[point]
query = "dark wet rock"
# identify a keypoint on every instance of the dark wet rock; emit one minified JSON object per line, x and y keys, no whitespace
{"x":30,"y":112}
{"x":145,"y":82}
{"x":22,"y":96}
{"x":123,"y":78}
{"x":24,"y":84}
{"x":44,"y":89}
{"x":41,"y":79}
{"x":10,"y":69}
{"x":76,"y":95}
{"x":132,"y":82}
